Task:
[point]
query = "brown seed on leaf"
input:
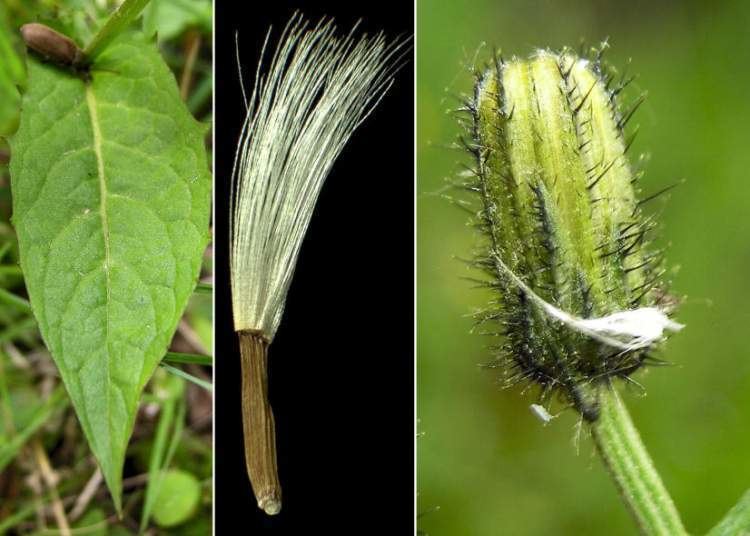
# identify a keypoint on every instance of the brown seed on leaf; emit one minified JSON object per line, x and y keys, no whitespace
{"x":51,"y":44}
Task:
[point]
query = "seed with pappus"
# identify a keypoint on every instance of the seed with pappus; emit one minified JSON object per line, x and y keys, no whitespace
{"x":319,"y":87}
{"x":580,"y":294}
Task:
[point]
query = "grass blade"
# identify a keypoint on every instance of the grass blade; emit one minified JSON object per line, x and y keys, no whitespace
{"x":189,"y":377}
{"x":9,"y":298}
{"x":188,"y":359}
{"x":165,"y":444}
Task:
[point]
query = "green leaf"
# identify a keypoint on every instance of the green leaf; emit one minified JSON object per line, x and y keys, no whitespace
{"x":93,"y":523}
{"x":170,"y":18}
{"x":111,"y":200}
{"x":178,"y":498}
{"x":11,"y":75}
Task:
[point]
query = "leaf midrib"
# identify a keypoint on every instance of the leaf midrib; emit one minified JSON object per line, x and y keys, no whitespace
{"x":97,"y":146}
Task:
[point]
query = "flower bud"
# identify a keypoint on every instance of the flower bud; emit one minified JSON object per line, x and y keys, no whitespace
{"x":578,"y":291}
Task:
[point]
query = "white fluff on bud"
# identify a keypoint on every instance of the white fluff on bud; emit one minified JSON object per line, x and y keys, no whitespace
{"x":625,"y":330}
{"x":541,"y":413}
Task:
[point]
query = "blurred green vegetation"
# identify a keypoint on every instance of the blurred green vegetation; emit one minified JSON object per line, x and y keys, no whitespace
{"x":483,"y":459}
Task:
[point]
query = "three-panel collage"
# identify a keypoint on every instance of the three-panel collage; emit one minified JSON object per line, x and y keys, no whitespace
{"x":440,"y":268}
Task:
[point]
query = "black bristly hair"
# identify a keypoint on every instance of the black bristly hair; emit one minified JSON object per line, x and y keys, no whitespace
{"x":535,"y":349}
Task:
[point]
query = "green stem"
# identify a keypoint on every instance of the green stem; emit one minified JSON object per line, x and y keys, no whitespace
{"x":204,"y":288}
{"x":629,"y":464}
{"x":116,"y":23}
{"x":737,"y":520}
{"x":195,"y":359}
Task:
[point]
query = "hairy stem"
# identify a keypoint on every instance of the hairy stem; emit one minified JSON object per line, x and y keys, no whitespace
{"x":627,"y":460}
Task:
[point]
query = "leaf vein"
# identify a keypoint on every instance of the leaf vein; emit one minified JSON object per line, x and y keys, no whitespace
{"x":97,"y":134}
